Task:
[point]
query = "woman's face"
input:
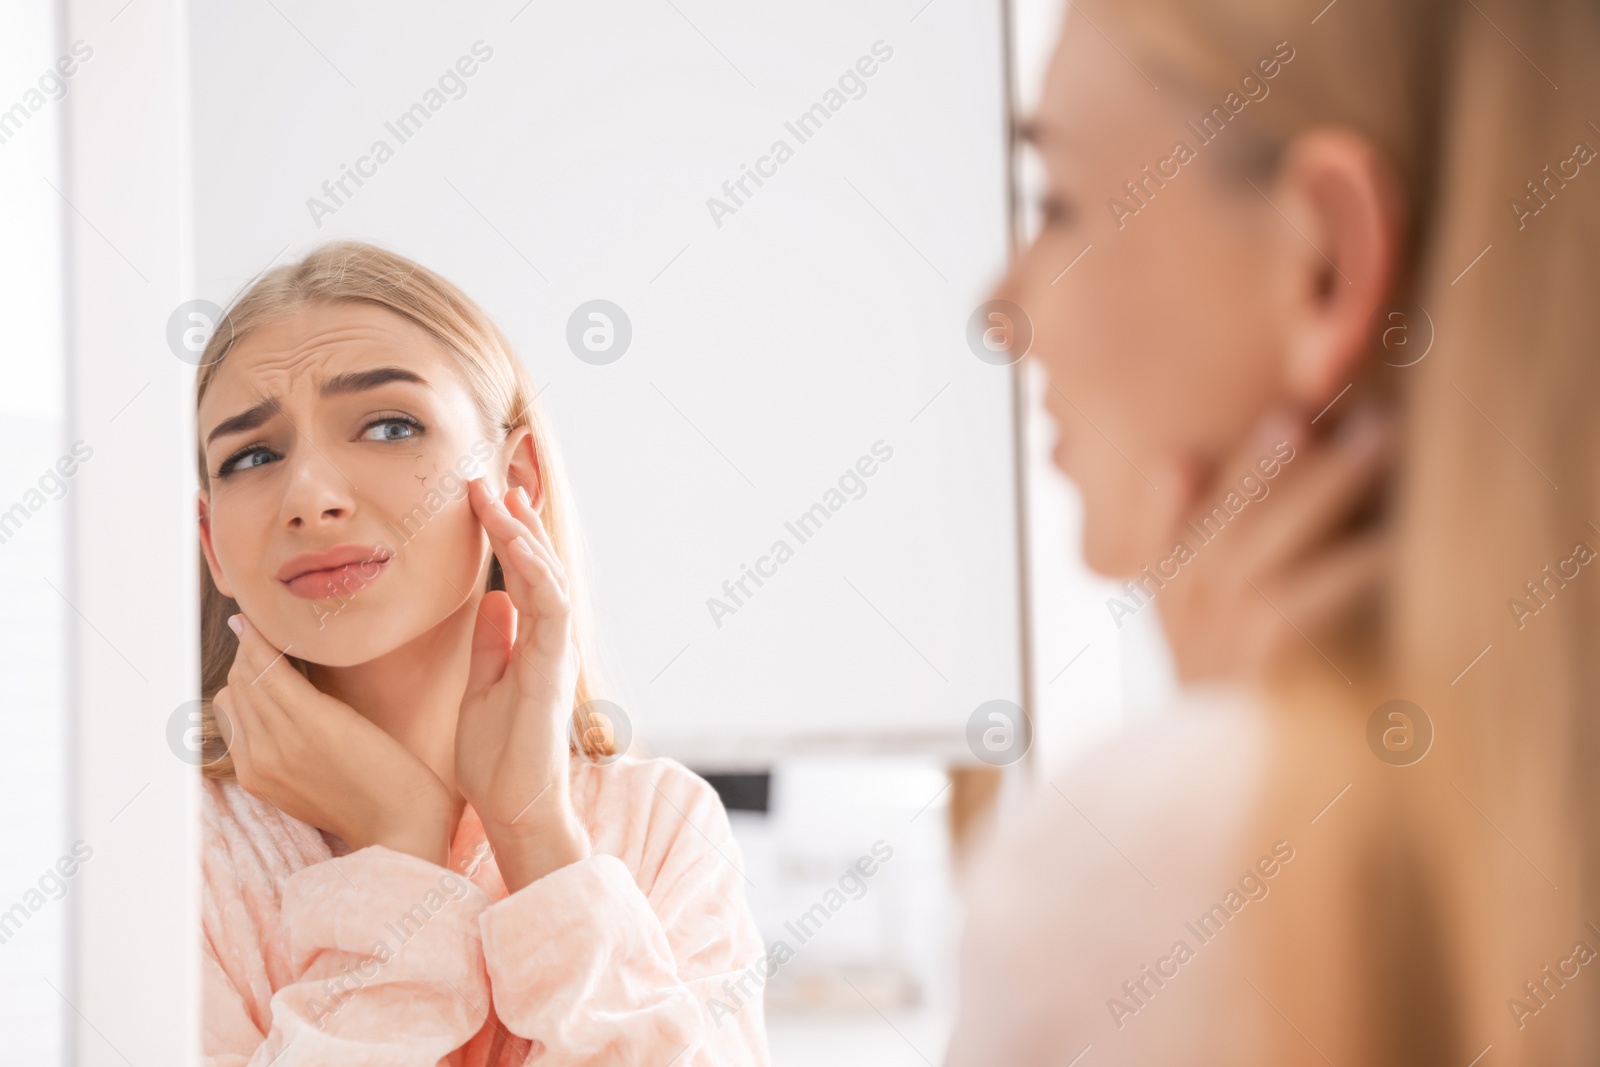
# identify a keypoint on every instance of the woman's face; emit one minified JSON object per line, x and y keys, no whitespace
{"x":342,"y":428}
{"x":1159,"y":343}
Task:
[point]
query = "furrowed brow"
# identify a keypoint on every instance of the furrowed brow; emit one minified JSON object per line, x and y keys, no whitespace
{"x":359,"y":381}
{"x":246,"y":420}
{"x":338,"y":385}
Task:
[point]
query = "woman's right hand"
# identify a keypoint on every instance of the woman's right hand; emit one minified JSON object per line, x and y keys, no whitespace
{"x":317,"y":759}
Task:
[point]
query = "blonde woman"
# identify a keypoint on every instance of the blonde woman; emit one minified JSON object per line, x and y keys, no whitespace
{"x":421,"y":845}
{"x":1361,"y":213}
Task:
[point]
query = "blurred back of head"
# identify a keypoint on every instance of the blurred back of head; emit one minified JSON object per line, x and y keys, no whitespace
{"x":1488,"y":114}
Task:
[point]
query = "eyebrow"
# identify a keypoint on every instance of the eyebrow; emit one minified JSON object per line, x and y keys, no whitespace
{"x":338,"y":385}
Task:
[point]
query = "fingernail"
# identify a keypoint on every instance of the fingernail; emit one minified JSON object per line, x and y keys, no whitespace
{"x":523,"y":493}
{"x":236,"y":624}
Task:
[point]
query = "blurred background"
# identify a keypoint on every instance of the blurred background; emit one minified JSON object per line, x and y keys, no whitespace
{"x":573,"y":168}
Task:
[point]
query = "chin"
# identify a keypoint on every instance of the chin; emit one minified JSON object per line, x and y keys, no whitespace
{"x":330,"y":634}
{"x":336,"y":653}
{"x":1114,"y":552}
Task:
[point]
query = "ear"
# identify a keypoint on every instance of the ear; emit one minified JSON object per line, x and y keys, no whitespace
{"x":523,"y":467}
{"x":1342,"y":196}
{"x":204,"y":507}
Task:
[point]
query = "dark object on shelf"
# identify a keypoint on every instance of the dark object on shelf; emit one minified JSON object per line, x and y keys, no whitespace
{"x":741,"y":792}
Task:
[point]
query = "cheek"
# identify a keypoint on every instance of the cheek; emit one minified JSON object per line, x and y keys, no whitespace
{"x":1111,"y":342}
{"x":238,"y":540}
{"x":411,"y":492}
{"x":1153,"y":344}
{"x":1166,"y":340}
{"x":437,"y":531}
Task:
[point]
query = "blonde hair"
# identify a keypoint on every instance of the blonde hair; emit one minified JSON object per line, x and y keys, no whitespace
{"x":1499,"y":414}
{"x":353,"y":271}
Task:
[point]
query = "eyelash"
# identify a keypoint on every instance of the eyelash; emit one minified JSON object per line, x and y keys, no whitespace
{"x":229,"y":465}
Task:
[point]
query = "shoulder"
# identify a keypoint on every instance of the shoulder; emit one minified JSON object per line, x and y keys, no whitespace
{"x":646,"y":782}
{"x":242,"y":827}
{"x":655,"y":792}
{"x":655,"y":814}
{"x":1088,"y":877}
{"x":248,"y":850}
{"x":248,"y":847}
{"x":1155,"y":805}
{"x":1147,"y":775}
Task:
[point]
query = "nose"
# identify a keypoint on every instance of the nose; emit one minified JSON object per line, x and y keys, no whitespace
{"x":316,"y":491}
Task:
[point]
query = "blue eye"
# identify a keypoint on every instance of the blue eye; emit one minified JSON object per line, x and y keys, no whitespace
{"x":246,"y":459}
{"x":390,"y":427}
{"x":237,"y":460}
{"x":411,"y":427}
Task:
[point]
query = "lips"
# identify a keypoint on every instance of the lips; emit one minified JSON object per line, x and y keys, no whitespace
{"x":339,"y":570}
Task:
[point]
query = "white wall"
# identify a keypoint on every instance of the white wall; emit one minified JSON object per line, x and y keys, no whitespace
{"x":132,"y":566}
{"x":35,"y":919}
{"x":769,"y":352}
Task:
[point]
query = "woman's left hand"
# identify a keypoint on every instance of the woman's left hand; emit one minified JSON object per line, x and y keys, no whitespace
{"x":511,"y":736}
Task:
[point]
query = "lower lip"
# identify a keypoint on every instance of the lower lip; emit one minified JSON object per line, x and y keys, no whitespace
{"x":336,"y":581}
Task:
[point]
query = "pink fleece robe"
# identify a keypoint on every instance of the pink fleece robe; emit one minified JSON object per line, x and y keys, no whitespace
{"x":315,"y":955}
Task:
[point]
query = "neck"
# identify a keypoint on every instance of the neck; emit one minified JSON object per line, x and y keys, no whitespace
{"x":413,"y":693}
{"x":1340,"y":678}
